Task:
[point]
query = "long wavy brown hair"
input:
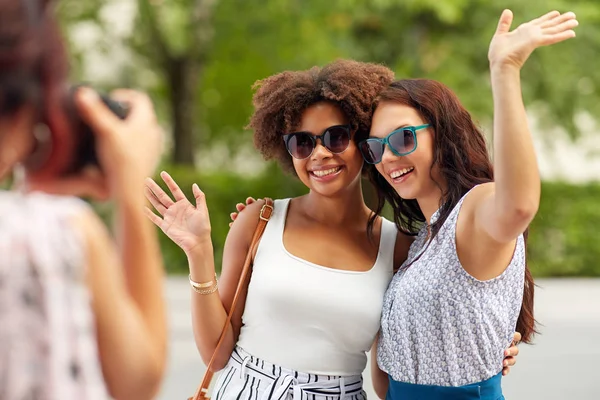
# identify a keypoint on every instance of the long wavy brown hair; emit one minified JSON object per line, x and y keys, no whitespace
{"x":461,"y":156}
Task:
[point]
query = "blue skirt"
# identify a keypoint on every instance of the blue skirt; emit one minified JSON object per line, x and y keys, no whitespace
{"x":490,"y":389}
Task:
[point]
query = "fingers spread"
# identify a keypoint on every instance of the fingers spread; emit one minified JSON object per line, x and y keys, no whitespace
{"x":157,"y":191}
{"x":153,"y":217}
{"x":158,"y":206}
{"x":173,"y":187}
{"x":558,"y":37}
{"x":563,"y":26}
{"x":199,"y":196}
{"x":559,"y":19}
{"x":546,"y":17}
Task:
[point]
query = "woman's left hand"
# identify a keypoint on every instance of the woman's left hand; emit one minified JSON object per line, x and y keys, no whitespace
{"x":510,"y":354}
{"x":514,"y":48}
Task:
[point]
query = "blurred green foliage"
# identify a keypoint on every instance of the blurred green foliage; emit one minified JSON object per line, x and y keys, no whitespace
{"x":562,"y":240}
{"x":564,"y":236}
{"x":229,"y":44}
{"x":199,"y":58}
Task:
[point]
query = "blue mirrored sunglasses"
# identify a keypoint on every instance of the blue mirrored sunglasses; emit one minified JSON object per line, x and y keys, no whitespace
{"x":401,"y":142}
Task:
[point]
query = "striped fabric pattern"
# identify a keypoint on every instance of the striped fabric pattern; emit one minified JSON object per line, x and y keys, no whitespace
{"x":246,"y":377}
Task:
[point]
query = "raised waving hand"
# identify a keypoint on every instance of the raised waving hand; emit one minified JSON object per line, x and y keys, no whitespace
{"x":514,"y":47}
{"x":184,"y":223}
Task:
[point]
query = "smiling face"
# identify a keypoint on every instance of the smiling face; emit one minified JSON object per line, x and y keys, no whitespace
{"x":410,"y":175}
{"x":324,"y":172}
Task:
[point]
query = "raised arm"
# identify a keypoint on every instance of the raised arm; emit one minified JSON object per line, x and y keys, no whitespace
{"x":189,"y":227}
{"x":505,"y":209}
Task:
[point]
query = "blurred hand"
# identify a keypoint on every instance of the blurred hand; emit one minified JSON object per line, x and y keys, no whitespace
{"x":185,"y":224}
{"x":128,"y":150}
{"x":510,"y":354}
{"x":514,"y":48}
{"x":240,"y":207}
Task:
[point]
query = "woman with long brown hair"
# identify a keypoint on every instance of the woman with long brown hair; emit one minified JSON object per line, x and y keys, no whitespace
{"x":451,"y":310}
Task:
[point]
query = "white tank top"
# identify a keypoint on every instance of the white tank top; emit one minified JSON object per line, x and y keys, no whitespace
{"x":312,"y":318}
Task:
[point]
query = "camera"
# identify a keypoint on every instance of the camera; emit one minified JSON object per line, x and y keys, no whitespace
{"x":65,"y":143}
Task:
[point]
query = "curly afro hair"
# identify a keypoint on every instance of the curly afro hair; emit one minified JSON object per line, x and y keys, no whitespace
{"x":281,"y":99}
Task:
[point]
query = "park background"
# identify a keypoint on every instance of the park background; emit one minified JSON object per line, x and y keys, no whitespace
{"x":198,"y":60}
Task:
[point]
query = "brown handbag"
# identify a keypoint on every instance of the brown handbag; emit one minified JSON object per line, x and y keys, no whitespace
{"x":265,"y":213}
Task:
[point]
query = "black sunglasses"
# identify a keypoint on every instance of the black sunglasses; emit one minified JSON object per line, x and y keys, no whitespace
{"x":301,"y":145}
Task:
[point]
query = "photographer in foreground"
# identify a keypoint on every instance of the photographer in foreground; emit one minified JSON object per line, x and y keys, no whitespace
{"x":82,"y":316}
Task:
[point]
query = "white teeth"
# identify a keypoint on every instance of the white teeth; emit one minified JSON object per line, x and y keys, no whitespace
{"x":399,"y":173}
{"x":326,"y":172}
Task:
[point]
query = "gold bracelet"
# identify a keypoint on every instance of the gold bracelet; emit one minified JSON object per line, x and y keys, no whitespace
{"x":206,"y":287}
{"x":206,"y":291}
{"x":203,"y":285}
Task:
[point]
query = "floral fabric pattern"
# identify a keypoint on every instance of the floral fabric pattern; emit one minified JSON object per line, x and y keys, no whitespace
{"x":440,"y":325}
{"x":48,"y":347}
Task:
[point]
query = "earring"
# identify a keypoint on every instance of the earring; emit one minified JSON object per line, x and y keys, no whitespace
{"x":42,"y":148}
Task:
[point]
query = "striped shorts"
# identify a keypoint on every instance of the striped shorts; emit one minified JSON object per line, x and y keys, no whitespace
{"x":246,"y":377}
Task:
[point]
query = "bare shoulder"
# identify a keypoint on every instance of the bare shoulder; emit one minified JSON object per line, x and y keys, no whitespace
{"x":237,"y":245}
{"x":93,"y":231}
{"x":475,"y":197}
{"x":102,"y":259}
{"x":245,"y":224}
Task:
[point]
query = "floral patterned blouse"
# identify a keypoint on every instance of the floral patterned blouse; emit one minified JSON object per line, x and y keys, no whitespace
{"x":48,"y":346}
{"x":440,"y":325}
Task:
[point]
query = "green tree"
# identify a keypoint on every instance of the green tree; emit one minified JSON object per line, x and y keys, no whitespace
{"x":204,"y":55}
{"x":170,"y":38}
{"x":448,"y":41}
{"x":199,"y":58}
{"x":175,"y":36}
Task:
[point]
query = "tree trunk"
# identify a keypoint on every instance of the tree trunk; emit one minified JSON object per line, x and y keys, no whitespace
{"x":183,"y":77}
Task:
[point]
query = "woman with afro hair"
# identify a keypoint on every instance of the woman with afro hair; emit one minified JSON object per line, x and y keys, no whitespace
{"x":312,"y":307}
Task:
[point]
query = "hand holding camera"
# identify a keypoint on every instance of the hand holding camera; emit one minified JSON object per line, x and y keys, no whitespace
{"x":125,"y":150}
{"x":82,"y":144}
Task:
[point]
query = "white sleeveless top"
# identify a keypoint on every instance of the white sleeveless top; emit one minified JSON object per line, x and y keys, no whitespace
{"x":312,"y":318}
{"x":440,"y":325}
{"x":48,"y":347}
